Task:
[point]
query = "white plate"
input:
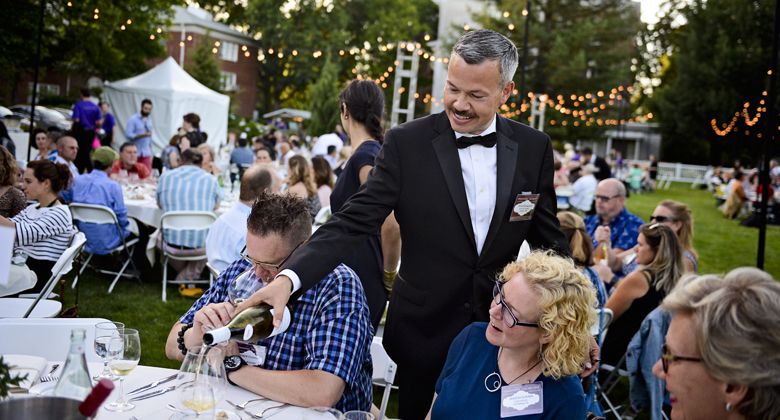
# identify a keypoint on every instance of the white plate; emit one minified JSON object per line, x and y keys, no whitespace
{"x":43,"y":388}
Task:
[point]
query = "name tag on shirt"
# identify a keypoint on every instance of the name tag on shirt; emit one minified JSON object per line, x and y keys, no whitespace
{"x":522,"y":400}
{"x":524,"y":206}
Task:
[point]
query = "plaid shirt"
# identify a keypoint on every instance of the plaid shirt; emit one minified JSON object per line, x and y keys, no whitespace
{"x":330,"y":330}
{"x":624,"y":229}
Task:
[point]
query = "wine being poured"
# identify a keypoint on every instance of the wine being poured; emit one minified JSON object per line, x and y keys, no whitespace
{"x":250,"y":325}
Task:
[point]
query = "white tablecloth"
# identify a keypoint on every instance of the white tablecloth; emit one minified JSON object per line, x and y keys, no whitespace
{"x":155,"y":408}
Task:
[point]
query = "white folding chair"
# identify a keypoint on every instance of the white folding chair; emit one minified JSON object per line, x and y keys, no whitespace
{"x":180,"y":221}
{"x":102,"y":215}
{"x":599,"y":328}
{"x":384,"y":372}
{"x":41,"y":307}
{"x":47,"y":338}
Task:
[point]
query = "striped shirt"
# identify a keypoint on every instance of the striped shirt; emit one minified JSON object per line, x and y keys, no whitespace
{"x":189,"y":188}
{"x":43,"y":233}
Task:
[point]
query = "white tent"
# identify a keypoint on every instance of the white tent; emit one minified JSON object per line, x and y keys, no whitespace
{"x":173,"y":93}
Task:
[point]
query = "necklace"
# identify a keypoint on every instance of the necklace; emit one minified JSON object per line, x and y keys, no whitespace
{"x":494,"y":380}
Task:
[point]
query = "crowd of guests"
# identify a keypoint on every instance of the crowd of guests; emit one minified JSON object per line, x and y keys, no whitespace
{"x":713,"y":340}
{"x":737,"y":192}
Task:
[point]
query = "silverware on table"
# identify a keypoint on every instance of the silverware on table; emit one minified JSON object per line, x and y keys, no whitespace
{"x":153,"y":394}
{"x":49,"y":378}
{"x":54,"y":368}
{"x":153,"y":384}
{"x":243,"y":405}
{"x":261,"y":414}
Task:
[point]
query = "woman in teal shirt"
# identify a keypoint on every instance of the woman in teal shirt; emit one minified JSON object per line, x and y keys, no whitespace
{"x":523,"y":363}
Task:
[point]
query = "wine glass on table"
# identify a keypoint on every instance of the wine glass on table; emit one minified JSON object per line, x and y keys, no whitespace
{"x":201,"y":380}
{"x":123,"y":364}
{"x":108,"y":344}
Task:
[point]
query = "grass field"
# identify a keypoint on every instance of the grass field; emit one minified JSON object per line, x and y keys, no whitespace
{"x":722,"y":245}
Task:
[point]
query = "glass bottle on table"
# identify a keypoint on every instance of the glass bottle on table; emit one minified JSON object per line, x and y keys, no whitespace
{"x":74,"y":382}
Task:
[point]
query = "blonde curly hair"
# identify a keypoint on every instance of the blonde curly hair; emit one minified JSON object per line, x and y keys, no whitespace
{"x":566,"y":303}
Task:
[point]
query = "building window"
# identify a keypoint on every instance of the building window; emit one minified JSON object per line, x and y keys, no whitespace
{"x":228,"y":51}
{"x":44,"y":89}
{"x":227,"y":80}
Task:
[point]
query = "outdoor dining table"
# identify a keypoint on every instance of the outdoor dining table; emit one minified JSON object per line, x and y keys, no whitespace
{"x":156,"y":407}
{"x":141,"y":203}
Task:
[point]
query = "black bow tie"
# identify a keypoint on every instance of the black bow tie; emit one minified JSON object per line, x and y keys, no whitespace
{"x":488,"y":140}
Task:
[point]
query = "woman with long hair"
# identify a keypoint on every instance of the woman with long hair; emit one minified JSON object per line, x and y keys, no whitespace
{"x":300,"y":182}
{"x":12,"y":200}
{"x":43,"y":232}
{"x":581,"y":246}
{"x":376,"y":262}
{"x":323,"y":177}
{"x":678,"y":216}
{"x":660,"y":257}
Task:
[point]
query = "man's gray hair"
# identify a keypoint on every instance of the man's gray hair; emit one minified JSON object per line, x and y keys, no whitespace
{"x":475,"y":47}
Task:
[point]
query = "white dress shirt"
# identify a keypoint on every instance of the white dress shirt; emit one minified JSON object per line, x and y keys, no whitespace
{"x":227,"y":236}
{"x":479,"y":168}
{"x":583,"y":191}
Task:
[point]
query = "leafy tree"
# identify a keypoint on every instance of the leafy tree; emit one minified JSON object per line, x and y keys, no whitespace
{"x":203,"y":65}
{"x":575,"y":47}
{"x":75,"y":41}
{"x":325,"y":100}
{"x":709,"y":58}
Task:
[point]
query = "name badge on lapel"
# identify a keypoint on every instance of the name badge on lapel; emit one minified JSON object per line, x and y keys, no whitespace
{"x":522,"y":400}
{"x":524,"y":206}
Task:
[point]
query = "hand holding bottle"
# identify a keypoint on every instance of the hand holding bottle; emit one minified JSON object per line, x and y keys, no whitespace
{"x":212,"y":316}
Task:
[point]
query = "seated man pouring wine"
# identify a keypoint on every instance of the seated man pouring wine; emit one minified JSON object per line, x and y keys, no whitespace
{"x":323,"y":358}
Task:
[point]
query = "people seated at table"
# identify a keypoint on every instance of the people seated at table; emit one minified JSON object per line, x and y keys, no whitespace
{"x":209,"y":164}
{"x":227,"y":236}
{"x":12,"y":199}
{"x":170,"y":155}
{"x":43,"y":231}
{"x":242,"y":155}
{"x":323,"y":178}
{"x":300,"y":182}
{"x":97,"y":188}
{"x":721,"y":358}
{"x":324,"y":356}
{"x":46,"y":143}
{"x":613,"y":228}
{"x":660,"y":259}
{"x":128,"y":162}
{"x":536,"y":342}
{"x":583,"y":189}
{"x":188,"y":188}
{"x":67,"y":149}
{"x":679,"y":218}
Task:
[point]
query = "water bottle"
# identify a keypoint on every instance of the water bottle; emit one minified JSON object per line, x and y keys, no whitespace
{"x":74,"y":381}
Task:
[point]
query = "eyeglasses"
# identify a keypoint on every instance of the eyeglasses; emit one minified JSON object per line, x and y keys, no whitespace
{"x":667,"y":358}
{"x":661,"y":219}
{"x":264,"y":265}
{"x":606,"y":197}
{"x":506,"y":313}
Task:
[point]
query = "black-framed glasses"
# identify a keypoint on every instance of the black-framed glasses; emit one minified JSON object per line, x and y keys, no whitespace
{"x":267,"y":266}
{"x":667,"y":357}
{"x":606,"y":197}
{"x":660,"y":219}
{"x":506,"y":312}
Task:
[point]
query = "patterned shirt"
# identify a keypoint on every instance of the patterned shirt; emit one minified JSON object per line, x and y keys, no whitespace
{"x":624,"y":229}
{"x":189,"y":188}
{"x":97,"y":188}
{"x":330,"y":330}
{"x":43,"y":233}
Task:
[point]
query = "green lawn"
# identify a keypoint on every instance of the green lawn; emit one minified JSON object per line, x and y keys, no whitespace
{"x":722,"y":245}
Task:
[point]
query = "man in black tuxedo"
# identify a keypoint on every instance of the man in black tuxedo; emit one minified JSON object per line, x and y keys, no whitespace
{"x":604,"y":170}
{"x":467,"y":187}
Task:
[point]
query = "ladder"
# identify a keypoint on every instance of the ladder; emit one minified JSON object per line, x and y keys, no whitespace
{"x":402,"y":74}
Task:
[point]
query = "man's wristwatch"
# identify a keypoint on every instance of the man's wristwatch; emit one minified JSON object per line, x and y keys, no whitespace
{"x":232,"y":364}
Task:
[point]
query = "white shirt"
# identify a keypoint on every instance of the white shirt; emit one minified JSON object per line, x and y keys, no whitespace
{"x":227,"y":236}
{"x":321,"y":145}
{"x":73,"y":169}
{"x":584,"y":188}
{"x":479,"y":169}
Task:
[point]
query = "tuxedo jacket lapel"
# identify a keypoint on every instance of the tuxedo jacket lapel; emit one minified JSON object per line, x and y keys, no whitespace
{"x":447,"y":154}
{"x":506,"y":164}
